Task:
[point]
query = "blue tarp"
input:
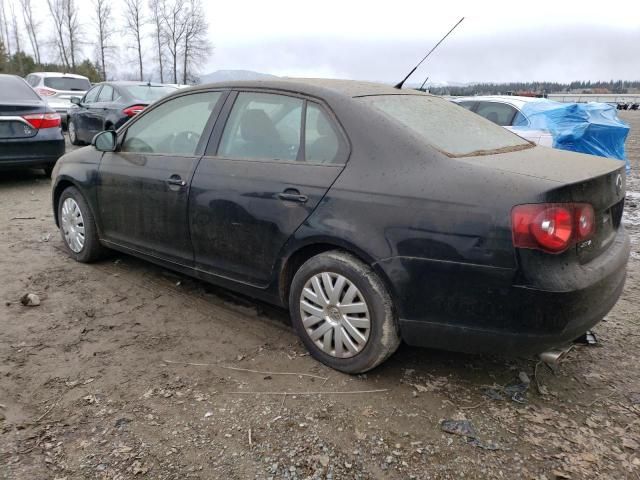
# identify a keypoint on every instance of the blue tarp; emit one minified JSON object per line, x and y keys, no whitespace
{"x":592,"y":128}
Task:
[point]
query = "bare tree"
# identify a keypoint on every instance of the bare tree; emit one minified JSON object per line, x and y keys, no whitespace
{"x":56,"y":8}
{"x":4,"y":28}
{"x":134,"y":22}
{"x":175,"y":21}
{"x":104,"y":22}
{"x":32,"y":26}
{"x":158,"y":34}
{"x":196,"y":45}
{"x":16,"y":30}
{"x":73,"y":30}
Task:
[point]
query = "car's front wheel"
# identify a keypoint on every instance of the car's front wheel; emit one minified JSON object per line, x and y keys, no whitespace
{"x":73,"y":133}
{"x":78,"y":227}
{"x":343,"y":312}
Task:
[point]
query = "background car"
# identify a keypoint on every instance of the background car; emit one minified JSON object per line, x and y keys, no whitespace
{"x":506,"y":111}
{"x":109,"y":105}
{"x":30,"y":131}
{"x":374,"y":214}
{"x":58,"y":88}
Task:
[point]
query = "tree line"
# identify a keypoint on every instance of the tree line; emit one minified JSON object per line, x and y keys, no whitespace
{"x":613,"y":86}
{"x":177,"y":30}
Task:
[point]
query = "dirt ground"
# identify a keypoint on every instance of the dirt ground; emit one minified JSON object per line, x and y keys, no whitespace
{"x":126,"y":370}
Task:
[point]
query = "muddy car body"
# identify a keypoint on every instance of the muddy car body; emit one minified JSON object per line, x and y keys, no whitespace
{"x":425,"y":223}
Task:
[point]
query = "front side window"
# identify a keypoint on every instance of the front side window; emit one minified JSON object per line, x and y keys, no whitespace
{"x":174,"y":128}
{"x":92,"y":95}
{"x":321,"y":139}
{"x":498,"y":113}
{"x":106,"y":94}
{"x":445,"y":126}
{"x":263,"y":126}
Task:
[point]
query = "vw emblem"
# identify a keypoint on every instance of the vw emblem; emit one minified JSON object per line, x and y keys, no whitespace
{"x":618,"y":184}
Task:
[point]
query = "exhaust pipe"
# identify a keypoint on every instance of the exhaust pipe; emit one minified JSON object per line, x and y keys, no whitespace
{"x":552,"y":357}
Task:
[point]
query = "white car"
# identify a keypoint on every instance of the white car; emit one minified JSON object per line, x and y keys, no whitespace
{"x":506,"y":111}
{"x":58,"y":88}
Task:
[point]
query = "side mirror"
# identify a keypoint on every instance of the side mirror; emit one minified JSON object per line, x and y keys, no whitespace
{"x":76,"y":100}
{"x":105,"y":141}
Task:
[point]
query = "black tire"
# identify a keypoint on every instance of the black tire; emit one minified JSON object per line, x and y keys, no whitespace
{"x":73,"y":138}
{"x":92,"y":250}
{"x":384,"y":337}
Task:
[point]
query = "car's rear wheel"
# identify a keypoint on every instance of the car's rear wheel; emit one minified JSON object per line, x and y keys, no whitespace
{"x":343,"y":312}
{"x":77,"y":227}
{"x":73,"y":133}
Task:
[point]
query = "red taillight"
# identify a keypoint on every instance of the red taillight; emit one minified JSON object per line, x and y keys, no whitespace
{"x":552,"y":227}
{"x":134,"y":110}
{"x":45,"y":92}
{"x":43,"y":120}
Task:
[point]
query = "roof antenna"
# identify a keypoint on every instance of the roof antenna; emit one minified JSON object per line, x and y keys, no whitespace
{"x":399,"y":85}
{"x":421,"y":89}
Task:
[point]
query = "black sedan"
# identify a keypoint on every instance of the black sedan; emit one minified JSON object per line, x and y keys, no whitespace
{"x":30,"y":131}
{"x":373,"y":214}
{"x":108,"y":105}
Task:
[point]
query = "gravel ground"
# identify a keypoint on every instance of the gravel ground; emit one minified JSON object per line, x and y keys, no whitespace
{"x":126,"y":370}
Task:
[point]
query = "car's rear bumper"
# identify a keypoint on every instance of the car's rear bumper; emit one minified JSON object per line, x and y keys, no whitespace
{"x":511,"y":320}
{"x":40,"y":151}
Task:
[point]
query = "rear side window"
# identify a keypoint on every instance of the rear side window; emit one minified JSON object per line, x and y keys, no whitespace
{"x":14,"y":88}
{"x":263,"y":126}
{"x":498,"y":113}
{"x":321,"y":140}
{"x":67,"y":83}
{"x":174,"y":128}
{"x":445,"y":126}
{"x":467,"y":105}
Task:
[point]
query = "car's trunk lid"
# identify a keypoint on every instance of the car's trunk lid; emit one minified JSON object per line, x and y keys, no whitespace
{"x":574,"y":178}
{"x":12,"y":122}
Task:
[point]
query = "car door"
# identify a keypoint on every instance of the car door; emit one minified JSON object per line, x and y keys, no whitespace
{"x":100,"y":109}
{"x":260,"y":179}
{"x":81,"y":114}
{"x":143,"y":186}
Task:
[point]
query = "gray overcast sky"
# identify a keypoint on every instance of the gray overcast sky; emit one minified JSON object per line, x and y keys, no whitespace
{"x":382,"y":40}
{"x":498,"y":41}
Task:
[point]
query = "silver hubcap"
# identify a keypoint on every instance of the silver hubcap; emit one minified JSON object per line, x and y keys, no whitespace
{"x":335,"y":315}
{"x":72,"y":131}
{"x":72,"y":225}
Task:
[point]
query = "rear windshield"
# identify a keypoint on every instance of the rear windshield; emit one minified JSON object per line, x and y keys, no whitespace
{"x":69,"y":84}
{"x":14,"y":89}
{"x":448,"y":127}
{"x":148,"y":93}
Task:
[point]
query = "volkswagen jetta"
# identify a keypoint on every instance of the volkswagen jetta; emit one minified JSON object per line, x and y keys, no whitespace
{"x":373,"y":214}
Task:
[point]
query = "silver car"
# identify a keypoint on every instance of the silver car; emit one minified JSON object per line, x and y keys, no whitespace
{"x":58,"y":88}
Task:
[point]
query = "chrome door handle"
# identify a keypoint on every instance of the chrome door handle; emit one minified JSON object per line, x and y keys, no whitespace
{"x":176,"y":180}
{"x":293,"y":196}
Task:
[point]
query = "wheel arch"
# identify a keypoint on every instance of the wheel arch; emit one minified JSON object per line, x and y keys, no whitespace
{"x":299,"y":255}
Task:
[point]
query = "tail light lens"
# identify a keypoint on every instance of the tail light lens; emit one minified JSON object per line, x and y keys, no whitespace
{"x":552,"y":228}
{"x":43,"y":120}
{"x":133,"y":110}
{"x":45,"y":92}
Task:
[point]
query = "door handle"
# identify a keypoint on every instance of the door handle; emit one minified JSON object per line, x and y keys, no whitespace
{"x":292,"y":195}
{"x":176,"y":180}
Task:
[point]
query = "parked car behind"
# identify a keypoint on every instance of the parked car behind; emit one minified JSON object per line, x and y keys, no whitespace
{"x":373,"y":214}
{"x":58,"y":88}
{"x":506,"y":111}
{"x":30,"y":131}
{"x":109,"y":105}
